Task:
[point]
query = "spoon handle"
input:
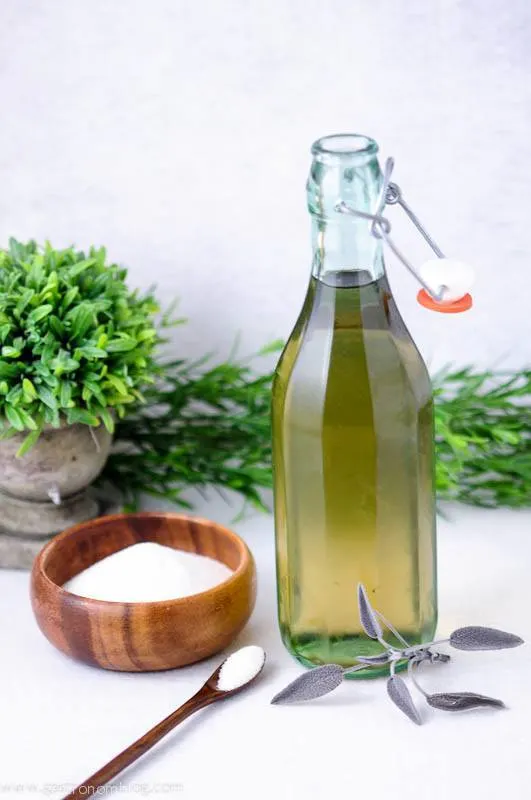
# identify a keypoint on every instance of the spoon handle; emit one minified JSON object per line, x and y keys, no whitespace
{"x":137,"y":749}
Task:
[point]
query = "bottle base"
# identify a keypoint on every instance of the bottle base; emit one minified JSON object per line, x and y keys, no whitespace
{"x":313,"y":651}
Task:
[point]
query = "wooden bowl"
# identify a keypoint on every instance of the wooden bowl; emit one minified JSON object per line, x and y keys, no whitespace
{"x":139,"y":637}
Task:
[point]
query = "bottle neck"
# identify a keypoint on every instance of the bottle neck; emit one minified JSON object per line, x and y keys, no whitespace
{"x":344,"y":168}
{"x":343,"y":256}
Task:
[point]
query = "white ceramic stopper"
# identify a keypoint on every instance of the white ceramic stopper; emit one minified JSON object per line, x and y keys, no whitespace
{"x":457,"y":276}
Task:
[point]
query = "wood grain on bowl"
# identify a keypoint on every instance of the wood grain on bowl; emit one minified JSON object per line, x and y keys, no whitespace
{"x":139,"y":637}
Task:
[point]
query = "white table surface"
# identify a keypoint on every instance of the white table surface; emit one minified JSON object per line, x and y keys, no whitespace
{"x":61,"y":720}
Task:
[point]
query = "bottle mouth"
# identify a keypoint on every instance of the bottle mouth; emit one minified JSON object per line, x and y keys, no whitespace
{"x":344,"y":146}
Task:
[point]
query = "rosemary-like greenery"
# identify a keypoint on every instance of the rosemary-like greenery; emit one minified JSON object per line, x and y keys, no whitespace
{"x":207,"y":424}
{"x":483,"y":437}
{"x":203,"y":425}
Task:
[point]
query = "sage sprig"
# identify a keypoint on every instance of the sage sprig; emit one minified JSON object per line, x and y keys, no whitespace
{"x":324,"y":679}
{"x":461,"y":701}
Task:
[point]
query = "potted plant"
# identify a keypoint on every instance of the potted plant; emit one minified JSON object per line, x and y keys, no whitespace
{"x":75,"y":348}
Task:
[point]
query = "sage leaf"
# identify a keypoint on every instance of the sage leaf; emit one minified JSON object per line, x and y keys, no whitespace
{"x":478,"y":638}
{"x":368,"y":617}
{"x":401,"y":697}
{"x":315,"y":683}
{"x":462,"y":701}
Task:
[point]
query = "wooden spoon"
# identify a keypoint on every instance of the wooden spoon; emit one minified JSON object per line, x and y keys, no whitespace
{"x":209,"y":693}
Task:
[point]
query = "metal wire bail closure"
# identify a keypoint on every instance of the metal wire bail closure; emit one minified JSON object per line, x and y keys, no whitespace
{"x":391,"y":194}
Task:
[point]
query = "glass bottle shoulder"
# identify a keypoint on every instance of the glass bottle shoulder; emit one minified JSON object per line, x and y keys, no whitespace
{"x":351,"y":333}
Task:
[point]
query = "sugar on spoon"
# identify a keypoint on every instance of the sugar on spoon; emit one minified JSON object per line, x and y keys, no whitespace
{"x":235,"y":673}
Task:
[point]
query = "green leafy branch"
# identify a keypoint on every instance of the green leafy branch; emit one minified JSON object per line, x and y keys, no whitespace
{"x":201,"y":426}
{"x":483,"y":437}
{"x":210,"y":426}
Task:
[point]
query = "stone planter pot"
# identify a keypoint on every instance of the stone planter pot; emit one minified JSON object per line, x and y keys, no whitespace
{"x":47,"y":490}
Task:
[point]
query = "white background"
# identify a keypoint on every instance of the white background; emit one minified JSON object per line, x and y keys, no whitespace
{"x":178,"y":133}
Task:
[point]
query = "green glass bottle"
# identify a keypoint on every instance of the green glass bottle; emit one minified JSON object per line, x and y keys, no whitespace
{"x":352,"y":435}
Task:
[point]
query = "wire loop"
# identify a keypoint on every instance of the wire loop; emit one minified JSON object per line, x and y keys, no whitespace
{"x":391,"y":194}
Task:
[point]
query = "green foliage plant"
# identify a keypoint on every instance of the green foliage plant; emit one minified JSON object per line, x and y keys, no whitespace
{"x":75,"y":344}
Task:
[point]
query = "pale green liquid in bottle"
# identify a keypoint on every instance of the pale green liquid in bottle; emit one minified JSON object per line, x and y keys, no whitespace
{"x":353,"y":464}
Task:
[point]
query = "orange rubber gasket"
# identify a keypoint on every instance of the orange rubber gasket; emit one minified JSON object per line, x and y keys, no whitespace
{"x":463,"y":304}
